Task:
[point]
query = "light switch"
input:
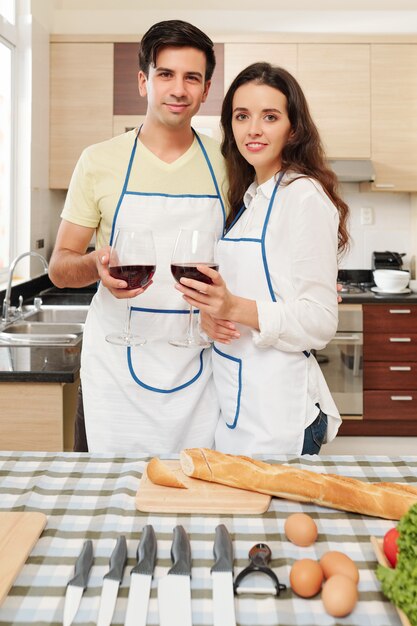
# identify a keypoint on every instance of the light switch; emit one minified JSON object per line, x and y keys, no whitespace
{"x":367,"y":216}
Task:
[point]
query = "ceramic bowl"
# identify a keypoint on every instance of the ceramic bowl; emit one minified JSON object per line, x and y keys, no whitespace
{"x":391,"y":280}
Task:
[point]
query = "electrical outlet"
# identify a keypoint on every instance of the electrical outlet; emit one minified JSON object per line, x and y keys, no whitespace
{"x":367,"y":216}
{"x":39,"y":244}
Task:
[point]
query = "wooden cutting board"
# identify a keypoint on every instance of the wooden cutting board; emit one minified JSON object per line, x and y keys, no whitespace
{"x":18,"y":534}
{"x":200,"y":497}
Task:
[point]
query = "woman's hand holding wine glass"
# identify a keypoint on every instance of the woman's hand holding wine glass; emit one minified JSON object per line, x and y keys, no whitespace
{"x":132,"y":260}
{"x":193,"y":248}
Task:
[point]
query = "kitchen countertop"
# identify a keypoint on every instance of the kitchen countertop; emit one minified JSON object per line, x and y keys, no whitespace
{"x":45,"y":364}
{"x":369,"y":297}
{"x":92,"y":496}
{"x":62,"y":364}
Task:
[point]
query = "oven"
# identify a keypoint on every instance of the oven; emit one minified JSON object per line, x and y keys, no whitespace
{"x":342,"y":362}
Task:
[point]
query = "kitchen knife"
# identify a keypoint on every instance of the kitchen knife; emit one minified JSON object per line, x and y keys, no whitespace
{"x":141,"y":578}
{"x":111,"y":582}
{"x":174,"y":590}
{"x":78,"y":583}
{"x":222,"y":577}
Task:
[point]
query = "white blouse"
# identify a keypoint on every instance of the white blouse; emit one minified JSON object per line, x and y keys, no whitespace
{"x":301,"y":250}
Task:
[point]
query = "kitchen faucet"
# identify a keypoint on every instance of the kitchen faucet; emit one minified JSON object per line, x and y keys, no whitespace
{"x":6,"y":301}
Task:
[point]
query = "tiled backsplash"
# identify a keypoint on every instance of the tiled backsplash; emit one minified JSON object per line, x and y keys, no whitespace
{"x":390,"y":228}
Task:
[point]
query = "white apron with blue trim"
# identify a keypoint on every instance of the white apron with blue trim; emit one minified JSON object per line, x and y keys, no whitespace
{"x":153,"y":398}
{"x":263,"y":392}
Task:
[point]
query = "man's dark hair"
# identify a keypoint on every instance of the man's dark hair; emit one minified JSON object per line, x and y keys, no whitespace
{"x":177,"y":34}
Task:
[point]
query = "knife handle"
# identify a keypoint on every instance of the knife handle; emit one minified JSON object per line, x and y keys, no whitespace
{"x":83,"y":565}
{"x":180,"y":553}
{"x":118,"y":560}
{"x":223,"y":550}
{"x":146,"y":552}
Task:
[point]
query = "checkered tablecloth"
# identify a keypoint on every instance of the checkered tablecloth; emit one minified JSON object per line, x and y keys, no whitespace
{"x":93,"y":497}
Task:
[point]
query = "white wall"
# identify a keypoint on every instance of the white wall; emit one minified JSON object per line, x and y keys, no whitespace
{"x":391,"y":228}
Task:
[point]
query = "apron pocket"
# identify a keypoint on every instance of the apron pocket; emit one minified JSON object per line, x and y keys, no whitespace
{"x":227,"y":372}
{"x":151,"y":374}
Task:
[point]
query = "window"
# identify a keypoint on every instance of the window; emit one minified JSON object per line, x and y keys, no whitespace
{"x":5,"y":152}
{"x":8,"y":10}
{"x":7,"y":53}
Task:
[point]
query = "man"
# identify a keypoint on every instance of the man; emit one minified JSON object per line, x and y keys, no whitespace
{"x":155,"y":398}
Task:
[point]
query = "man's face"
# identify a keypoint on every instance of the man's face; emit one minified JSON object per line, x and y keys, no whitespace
{"x":176,"y":86}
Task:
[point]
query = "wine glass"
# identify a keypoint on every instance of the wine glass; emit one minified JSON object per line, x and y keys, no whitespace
{"x":192,"y":248}
{"x":133,"y":259}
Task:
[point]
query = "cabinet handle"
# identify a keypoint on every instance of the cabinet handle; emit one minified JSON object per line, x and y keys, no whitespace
{"x":396,"y":311}
{"x":407,"y":398}
{"x":400,"y":368}
{"x":400,"y":339}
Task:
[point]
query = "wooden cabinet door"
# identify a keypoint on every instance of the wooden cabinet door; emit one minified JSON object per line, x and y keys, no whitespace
{"x":394,"y":116}
{"x":389,"y":318}
{"x":237,"y":56}
{"x":81,"y":104}
{"x":390,"y":405}
{"x":336,"y":81}
{"x":392,"y":346}
{"x":390,"y":375}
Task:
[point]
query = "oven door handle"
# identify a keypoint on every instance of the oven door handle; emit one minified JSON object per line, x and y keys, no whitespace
{"x":353,"y":338}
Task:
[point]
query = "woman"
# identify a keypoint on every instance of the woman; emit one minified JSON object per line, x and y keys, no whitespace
{"x":275,"y":298}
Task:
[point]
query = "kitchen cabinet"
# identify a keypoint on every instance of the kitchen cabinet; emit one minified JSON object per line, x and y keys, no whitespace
{"x":336,"y":81}
{"x":390,"y":363}
{"x":394,"y":116}
{"x":37,"y":416}
{"x":81,"y":104}
{"x":339,"y":100}
{"x":237,"y":56}
{"x":362,"y":95}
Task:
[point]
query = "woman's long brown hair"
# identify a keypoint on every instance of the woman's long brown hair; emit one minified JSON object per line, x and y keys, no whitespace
{"x":303,"y":153}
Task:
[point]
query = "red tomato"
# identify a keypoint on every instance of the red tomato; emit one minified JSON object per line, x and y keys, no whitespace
{"x":390,"y":546}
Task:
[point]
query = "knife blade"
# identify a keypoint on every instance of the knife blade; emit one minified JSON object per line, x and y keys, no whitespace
{"x":141,"y":578}
{"x":77,"y":584}
{"x":111,"y":582}
{"x":174,"y":590}
{"x":222,"y":578}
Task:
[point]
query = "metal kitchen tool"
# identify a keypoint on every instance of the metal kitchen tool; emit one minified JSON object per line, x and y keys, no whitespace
{"x":259,"y":556}
{"x":174,"y":590}
{"x":78,"y":583}
{"x":222,"y":576}
{"x":111,"y":582}
{"x":141,"y":578}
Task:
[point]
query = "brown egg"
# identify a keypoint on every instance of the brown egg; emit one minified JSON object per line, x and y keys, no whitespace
{"x":301,"y":529}
{"x":335,"y":562}
{"x":306,"y":577}
{"x":339,"y":595}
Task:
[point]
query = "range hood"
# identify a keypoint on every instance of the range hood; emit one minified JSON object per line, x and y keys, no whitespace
{"x":353,"y":170}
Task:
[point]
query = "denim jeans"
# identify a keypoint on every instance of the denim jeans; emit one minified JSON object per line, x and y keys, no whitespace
{"x":314,"y":434}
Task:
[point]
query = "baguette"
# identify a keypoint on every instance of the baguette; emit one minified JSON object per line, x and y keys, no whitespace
{"x":161,"y":474}
{"x":386,"y":500}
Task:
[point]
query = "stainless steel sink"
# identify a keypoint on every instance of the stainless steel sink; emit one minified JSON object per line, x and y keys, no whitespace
{"x":42,"y":333}
{"x":47,"y":326}
{"x":76,"y":313}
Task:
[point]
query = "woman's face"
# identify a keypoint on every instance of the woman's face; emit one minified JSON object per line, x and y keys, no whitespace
{"x":261,"y":127}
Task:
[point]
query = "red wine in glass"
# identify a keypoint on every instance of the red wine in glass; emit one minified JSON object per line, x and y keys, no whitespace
{"x":193,"y":248}
{"x":132,"y":259}
{"x":135,"y":275}
{"x":189,"y":270}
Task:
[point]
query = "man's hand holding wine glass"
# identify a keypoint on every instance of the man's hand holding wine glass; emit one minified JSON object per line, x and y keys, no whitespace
{"x":116,"y":286}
